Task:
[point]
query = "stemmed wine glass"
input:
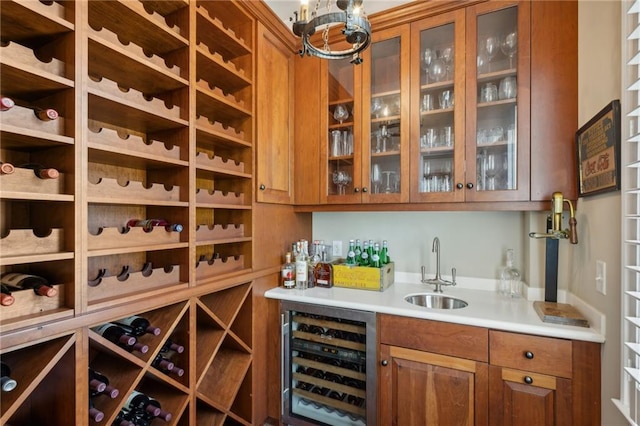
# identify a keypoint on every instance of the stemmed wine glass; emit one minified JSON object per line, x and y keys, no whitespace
{"x":376,"y":107}
{"x":509,"y":46}
{"x":389,"y":188}
{"x":342,"y":179}
{"x":447,"y":57}
{"x":340,"y":113}
{"x":491,"y":167}
{"x":376,"y":178}
{"x":491,"y":46}
{"x":426,"y":57}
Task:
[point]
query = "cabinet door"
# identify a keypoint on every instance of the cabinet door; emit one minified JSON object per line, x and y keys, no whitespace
{"x":523,"y":398}
{"x":340,"y":175}
{"x":385,"y":130}
{"x":438,"y":108}
{"x":421,"y":388}
{"x":274,"y":151}
{"x":497,"y":100}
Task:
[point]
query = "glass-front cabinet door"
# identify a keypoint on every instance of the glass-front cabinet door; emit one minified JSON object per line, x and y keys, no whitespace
{"x":385,"y":160}
{"x":341,"y":154}
{"x":438,"y":110}
{"x":498,"y":102}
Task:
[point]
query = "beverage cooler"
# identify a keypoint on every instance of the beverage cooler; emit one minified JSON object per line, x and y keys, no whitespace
{"x":329,"y":365}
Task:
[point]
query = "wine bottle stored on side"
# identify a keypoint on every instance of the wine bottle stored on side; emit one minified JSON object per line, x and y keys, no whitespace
{"x":137,"y":326}
{"x":6,"y":299}
{"x":122,"y":419}
{"x":170,"y":345}
{"x":162,"y":415}
{"x":44,"y":114}
{"x":94,"y":413}
{"x":162,"y":364}
{"x":20,"y":281}
{"x":6,"y":382}
{"x":6,"y":168}
{"x":115,"y":334}
{"x":41,"y":171}
{"x":96,"y":378}
{"x":6,"y":103}
{"x":139,"y":404}
{"x":149,"y":224}
{"x":138,"y":347}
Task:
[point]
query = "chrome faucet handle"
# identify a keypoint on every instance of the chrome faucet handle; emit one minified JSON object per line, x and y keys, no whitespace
{"x":423,"y":269}
{"x":453,"y":276}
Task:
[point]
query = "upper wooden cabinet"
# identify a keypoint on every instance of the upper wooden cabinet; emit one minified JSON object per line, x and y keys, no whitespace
{"x":274,"y":147}
{"x":456,"y":110}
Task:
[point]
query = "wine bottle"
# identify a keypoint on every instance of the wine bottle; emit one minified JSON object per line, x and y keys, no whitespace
{"x":139,"y":404}
{"x":170,"y":345}
{"x":41,"y":171}
{"x":137,"y":326}
{"x":162,"y":364}
{"x":6,"y":103}
{"x":6,"y":168}
{"x":20,"y":281}
{"x":6,"y":382}
{"x":122,"y":419}
{"x":171,"y":356}
{"x":115,"y":334}
{"x":94,"y":413}
{"x":149,"y":224}
{"x":6,"y":299}
{"x":98,"y":378}
{"x":44,"y":114}
{"x":162,"y":415}
{"x":138,"y":347}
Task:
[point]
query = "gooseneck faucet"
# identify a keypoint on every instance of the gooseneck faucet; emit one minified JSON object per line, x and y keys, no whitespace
{"x":437,"y":281}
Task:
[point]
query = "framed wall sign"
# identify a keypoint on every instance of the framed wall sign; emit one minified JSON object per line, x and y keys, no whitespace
{"x":598,"y":152}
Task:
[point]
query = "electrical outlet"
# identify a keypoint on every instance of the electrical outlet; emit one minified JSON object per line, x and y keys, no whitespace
{"x":336,"y":249}
{"x":601,"y":277}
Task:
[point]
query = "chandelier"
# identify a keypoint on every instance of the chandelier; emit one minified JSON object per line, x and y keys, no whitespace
{"x":357,"y":30}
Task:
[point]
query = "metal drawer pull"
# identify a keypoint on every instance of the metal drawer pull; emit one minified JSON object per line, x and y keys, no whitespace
{"x":384,"y":362}
{"x":528,"y":380}
{"x":528,"y":355}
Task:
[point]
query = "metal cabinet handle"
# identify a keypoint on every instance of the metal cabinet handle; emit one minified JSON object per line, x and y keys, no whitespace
{"x":528,"y":380}
{"x":459,"y":185}
{"x":470,"y":185}
{"x":262,"y":187}
{"x":384,"y":363}
{"x":528,"y":355}
{"x":364,"y":189}
{"x":356,"y":189}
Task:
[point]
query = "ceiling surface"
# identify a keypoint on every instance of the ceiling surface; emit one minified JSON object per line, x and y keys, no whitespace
{"x":285,"y":8}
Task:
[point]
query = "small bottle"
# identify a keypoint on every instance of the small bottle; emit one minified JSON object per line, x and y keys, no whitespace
{"x":138,"y":347}
{"x":510,"y":283}
{"x":288,"y":272}
{"x":137,"y":326}
{"x":364,"y":256}
{"x":6,"y":103}
{"x":358,"y":252}
{"x":6,"y":382}
{"x":375,"y":258}
{"x":351,"y":254}
{"x":115,"y":334}
{"x":6,"y":168}
{"x":323,"y":272}
{"x":302,"y":270}
{"x":41,"y":171}
{"x":6,"y":299}
{"x":384,"y":253}
{"x":19,"y":281}
{"x":370,"y":250}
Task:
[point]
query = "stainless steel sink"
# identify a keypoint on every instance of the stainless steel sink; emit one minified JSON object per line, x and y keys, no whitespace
{"x":435,"y":301}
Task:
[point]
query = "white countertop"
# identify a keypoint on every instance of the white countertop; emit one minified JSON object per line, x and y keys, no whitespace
{"x":486,"y":308}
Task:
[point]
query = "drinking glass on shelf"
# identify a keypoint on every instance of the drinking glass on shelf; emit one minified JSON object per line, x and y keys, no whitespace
{"x":376,"y":178}
{"x":446,"y":99}
{"x":447,"y":57}
{"x":491,"y":44}
{"x":492,"y":168}
{"x":340,"y":113}
{"x":390,"y":185}
{"x":336,"y":143}
{"x":426,"y":57}
{"x":341,"y":178}
{"x":508,"y":88}
{"x":376,"y":107}
{"x":509,"y":46}
{"x":438,"y":70}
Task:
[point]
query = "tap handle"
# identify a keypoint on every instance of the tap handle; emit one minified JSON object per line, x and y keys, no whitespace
{"x":453,"y":276}
{"x":573,"y":233}
{"x":423,"y":269}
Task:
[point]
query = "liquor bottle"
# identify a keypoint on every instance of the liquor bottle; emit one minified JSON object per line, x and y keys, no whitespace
{"x":323,"y":272}
{"x":6,"y":103}
{"x":375,"y":258}
{"x":162,"y":415}
{"x":288,"y":272}
{"x":137,"y":326}
{"x":139,"y":404}
{"x":115,"y":334}
{"x":6,"y":382}
{"x":94,"y":413}
{"x":6,"y":168}
{"x":302,"y":270}
{"x":41,"y":171}
{"x":351,"y":254}
{"x":358,"y":252}
{"x":6,"y":299}
{"x":384,"y":253}
{"x":510,"y":284}
{"x":95,"y":379}
{"x":364,"y":256}
{"x":149,"y":224}
{"x":19,"y":281}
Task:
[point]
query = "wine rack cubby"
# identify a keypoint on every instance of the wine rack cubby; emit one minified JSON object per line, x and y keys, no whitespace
{"x":155,"y":119}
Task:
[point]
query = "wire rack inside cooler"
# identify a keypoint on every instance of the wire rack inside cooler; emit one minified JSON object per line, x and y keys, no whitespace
{"x":329,"y":367}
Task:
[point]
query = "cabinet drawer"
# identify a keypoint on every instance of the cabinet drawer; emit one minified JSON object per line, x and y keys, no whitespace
{"x":544,"y":355}
{"x":457,"y":340}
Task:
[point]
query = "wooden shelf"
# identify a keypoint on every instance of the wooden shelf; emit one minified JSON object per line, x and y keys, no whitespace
{"x":213,"y":103}
{"x":29,"y":20}
{"x":212,"y":32}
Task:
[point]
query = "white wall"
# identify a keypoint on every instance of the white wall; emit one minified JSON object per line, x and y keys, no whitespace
{"x":474,"y":242}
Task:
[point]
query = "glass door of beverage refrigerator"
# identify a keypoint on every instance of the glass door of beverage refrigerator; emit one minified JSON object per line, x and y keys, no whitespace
{"x":385,"y":164}
{"x":498,"y":96}
{"x":438,"y":109}
{"x":341,"y":177}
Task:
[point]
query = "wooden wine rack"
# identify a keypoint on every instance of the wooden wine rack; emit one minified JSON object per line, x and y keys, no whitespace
{"x":156,"y":120}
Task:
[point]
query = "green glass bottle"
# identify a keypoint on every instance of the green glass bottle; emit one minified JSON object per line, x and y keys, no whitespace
{"x":375,"y":257}
{"x":351,"y":254}
{"x":358,"y":251}
{"x":364,"y":256}
{"x":384,"y":253}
